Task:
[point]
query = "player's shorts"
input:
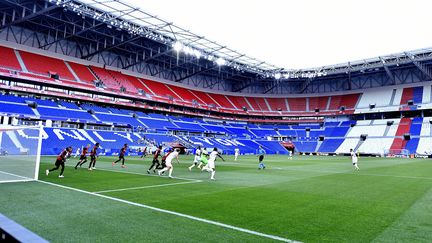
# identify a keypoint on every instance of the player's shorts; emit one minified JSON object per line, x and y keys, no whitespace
{"x":354,"y":160}
{"x":83,"y":157}
{"x":197,"y":159}
{"x":168,"y":163}
{"x":211,"y":164}
{"x":121,"y":156}
{"x":204,"y":160}
{"x":156,"y":161}
{"x":236,"y":154}
{"x":59,"y":162}
{"x":261,"y":158}
{"x":93,"y":157}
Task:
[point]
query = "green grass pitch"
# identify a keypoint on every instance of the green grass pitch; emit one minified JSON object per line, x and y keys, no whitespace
{"x":307,"y":199}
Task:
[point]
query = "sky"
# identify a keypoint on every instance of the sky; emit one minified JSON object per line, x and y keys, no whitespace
{"x":303,"y":33}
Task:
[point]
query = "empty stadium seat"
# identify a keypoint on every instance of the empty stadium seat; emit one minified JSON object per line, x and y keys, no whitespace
{"x":43,"y":65}
{"x":277,"y":104}
{"x":82,"y":72}
{"x":8,"y":58}
{"x":297,"y":104}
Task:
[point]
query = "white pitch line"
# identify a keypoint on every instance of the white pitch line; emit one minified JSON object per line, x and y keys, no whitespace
{"x":273,"y":237}
{"x":11,"y":181}
{"x":24,"y":179}
{"x":152,"y":186}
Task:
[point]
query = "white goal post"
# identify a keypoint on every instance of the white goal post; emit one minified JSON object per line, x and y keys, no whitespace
{"x":20,"y":153}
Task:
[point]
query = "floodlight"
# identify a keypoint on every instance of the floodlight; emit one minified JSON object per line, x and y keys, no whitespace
{"x":188,"y":50}
{"x":220,"y":61}
{"x":197,"y":54}
{"x":178,"y":46}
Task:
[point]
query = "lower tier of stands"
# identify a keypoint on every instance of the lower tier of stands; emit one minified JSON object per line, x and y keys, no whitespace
{"x":367,"y":136}
{"x":418,"y":138}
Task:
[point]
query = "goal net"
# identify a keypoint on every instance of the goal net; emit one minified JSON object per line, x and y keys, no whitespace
{"x":20,"y":149}
{"x":396,"y":153}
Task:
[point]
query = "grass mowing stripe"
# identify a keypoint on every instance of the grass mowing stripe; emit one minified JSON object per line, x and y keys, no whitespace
{"x":137,"y":173}
{"x":143,"y":187}
{"x":349,"y":172}
{"x":413,"y":225}
{"x":273,"y":237}
{"x":362,"y":174}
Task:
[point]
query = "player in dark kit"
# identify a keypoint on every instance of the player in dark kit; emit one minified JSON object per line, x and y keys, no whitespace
{"x":144,"y":153}
{"x":121,"y":156}
{"x":155,"y":163}
{"x":61,"y":159}
{"x":168,"y":151}
{"x":93,"y":156}
{"x":83,"y":157}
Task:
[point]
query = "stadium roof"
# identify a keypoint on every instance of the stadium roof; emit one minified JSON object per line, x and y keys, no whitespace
{"x":123,"y":15}
{"x":142,"y":42}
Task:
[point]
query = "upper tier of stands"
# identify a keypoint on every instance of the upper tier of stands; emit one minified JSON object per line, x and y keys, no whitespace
{"x":79,"y":75}
{"x":36,"y":66}
{"x":8,"y":58}
{"x":44,"y":65}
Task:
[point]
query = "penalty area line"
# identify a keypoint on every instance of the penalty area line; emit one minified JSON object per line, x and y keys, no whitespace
{"x":151,"y":186}
{"x":273,"y":237}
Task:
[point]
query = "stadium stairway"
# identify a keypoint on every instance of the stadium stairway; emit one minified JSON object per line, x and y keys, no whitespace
{"x":319,"y":143}
{"x":185,"y":141}
{"x":72,"y":71}
{"x":386,"y":131}
{"x":359,"y":144}
{"x":94,"y":74}
{"x":21,"y":61}
{"x":13,"y":137}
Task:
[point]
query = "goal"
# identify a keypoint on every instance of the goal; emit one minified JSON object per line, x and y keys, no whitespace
{"x":404,"y":153}
{"x":20,"y":149}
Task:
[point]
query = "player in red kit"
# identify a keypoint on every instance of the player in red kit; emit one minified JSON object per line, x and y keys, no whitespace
{"x":83,"y":157}
{"x":155,"y":163}
{"x":121,"y":156}
{"x":61,"y":159}
{"x":93,"y":156}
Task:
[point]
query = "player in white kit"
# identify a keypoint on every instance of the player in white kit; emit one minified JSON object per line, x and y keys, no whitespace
{"x":354,"y":159}
{"x":77,"y":152}
{"x":197,"y":158}
{"x":168,"y":163}
{"x":210,"y":167}
{"x":236,"y":153}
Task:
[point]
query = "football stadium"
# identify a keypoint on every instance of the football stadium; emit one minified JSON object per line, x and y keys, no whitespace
{"x":120,"y":126}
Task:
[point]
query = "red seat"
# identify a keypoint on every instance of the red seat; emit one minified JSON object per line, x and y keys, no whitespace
{"x":239,"y":102}
{"x":8,"y":58}
{"x":297,"y":104}
{"x":82,"y":72}
{"x":277,"y":104}
{"x":42,"y":64}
